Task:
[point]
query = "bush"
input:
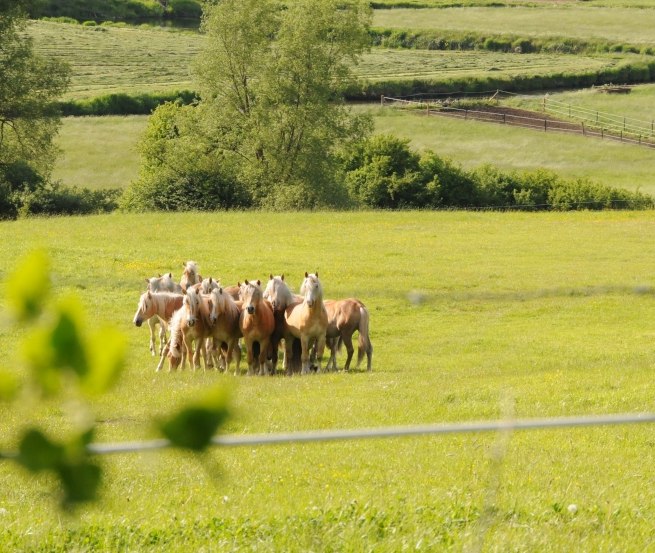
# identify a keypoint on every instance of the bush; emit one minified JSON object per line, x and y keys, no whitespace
{"x":124,"y":104}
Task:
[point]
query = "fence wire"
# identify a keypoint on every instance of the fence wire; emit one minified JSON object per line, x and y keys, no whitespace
{"x":251,"y":440}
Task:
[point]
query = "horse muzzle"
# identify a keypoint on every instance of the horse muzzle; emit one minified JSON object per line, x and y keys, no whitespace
{"x":138,"y":322}
{"x":310,"y":303}
{"x":250,"y":309}
{"x":191,"y":322}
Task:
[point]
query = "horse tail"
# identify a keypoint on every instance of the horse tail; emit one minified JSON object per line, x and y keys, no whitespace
{"x":364,"y":341}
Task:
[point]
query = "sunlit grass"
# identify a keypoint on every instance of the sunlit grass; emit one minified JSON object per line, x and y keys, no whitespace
{"x":530,"y":314}
{"x":619,"y":24}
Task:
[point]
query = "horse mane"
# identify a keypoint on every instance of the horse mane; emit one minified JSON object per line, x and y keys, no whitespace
{"x":284,"y":293}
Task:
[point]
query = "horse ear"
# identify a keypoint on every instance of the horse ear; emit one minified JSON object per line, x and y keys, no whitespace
{"x":259,"y":282}
{"x":170,"y":275}
{"x":210,"y":280}
{"x":270,"y":276}
{"x":316,"y":273}
{"x":246,"y":282}
{"x":282,"y":277}
{"x":306,"y":274}
{"x":220,"y":290}
{"x":158,"y":275}
{"x":238,"y":284}
{"x":149,"y":294}
{"x":148,"y":281}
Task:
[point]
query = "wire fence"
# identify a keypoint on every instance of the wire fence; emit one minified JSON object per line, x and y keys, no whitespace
{"x":252,"y":440}
{"x":591,"y":123}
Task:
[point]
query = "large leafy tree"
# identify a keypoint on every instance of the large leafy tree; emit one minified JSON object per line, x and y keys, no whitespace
{"x":29,"y":118}
{"x":271,"y":116}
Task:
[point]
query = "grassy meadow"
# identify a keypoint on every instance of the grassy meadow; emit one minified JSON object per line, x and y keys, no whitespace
{"x":100,"y":152}
{"x":613,"y":24}
{"x":525,"y":314}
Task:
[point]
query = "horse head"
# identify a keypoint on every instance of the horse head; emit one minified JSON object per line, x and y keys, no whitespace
{"x":251,"y":294}
{"x":277,"y":292}
{"x":192,"y":305}
{"x":142,"y":310}
{"x":217,"y":302}
{"x":311,"y":289}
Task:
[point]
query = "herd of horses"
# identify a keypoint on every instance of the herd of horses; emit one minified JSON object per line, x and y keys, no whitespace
{"x":201,"y":320}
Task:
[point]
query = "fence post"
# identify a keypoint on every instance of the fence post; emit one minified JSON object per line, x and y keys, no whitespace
{"x":602,"y":133}
{"x":583,"y":133}
{"x":381,"y":99}
{"x":504,"y":119}
{"x":545,"y":125}
{"x":466,"y":113}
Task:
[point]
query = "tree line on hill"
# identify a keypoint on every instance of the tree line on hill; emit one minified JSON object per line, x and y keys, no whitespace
{"x":269,"y":129}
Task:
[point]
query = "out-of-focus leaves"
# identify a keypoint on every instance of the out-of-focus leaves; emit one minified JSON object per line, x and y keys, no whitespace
{"x":28,"y":286}
{"x":80,"y":481}
{"x":69,"y":460}
{"x":194,"y":426}
{"x":59,"y":346}
{"x":8,"y":386}
{"x":106,"y":350}
{"x":36,"y":452}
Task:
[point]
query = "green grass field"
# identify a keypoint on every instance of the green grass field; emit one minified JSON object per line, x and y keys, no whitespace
{"x":100,"y":152}
{"x":613,"y":24}
{"x":535,"y":314}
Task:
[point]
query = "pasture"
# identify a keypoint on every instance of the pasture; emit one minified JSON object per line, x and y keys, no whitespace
{"x":612,"y":24}
{"x":100,"y":152}
{"x":145,"y":59}
{"x":527,"y":315}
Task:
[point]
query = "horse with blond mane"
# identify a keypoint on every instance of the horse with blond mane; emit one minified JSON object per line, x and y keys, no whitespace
{"x":188,"y":324}
{"x":157,"y":308}
{"x":190,"y":276}
{"x":224,"y":328}
{"x":344,"y":318}
{"x":257,"y":324}
{"x":307,"y":321}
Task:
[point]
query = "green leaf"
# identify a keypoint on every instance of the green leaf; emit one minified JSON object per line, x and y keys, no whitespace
{"x":36,"y":452}
{"x":107,"y":349}
{"x":60,"y":346}
{"x":80,"y":481}
{"x":195,"y":425}
{"x":28,"y":286}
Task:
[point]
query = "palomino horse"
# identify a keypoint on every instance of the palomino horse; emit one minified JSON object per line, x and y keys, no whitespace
{"x":187,"y":325}
{"x":157,"y":307}
{"x":224,"y":328}
{"x":163,"y":283}
{"x":308,"y":322}
{"x":344,"y":317}
{"x":257,"y":324}
{"x":190,"y":275}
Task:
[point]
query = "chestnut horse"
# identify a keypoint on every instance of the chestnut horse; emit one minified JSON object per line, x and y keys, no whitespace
{"x":344,"y":318}
{"x":257,"y":324}
{"x":157,"y":308}
{"x":307,"y":321}
{"x":224,"y":328}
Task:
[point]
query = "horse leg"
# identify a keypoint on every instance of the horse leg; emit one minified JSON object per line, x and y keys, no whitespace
{"x":162,"y":356}
{"x":263,"y":356}
{"x":162,"y":335}
{"x":236,"y":353}
{"x":304,"y":356}
{"x":332,"y":361}
{"x":348,"y":342}
{"x":152,"y":322}
{"x":250,"y":356}
{"x":320,"y":349}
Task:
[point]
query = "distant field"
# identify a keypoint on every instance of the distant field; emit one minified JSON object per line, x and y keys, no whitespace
{"x":112,"y":59}
{"x":109,"y":59}
{"x":622,"y":25}
{"x":100,"y":152}
{"x":399,"y":64}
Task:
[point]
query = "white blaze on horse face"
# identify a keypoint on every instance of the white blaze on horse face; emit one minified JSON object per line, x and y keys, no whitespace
{"x":250,"y":294}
